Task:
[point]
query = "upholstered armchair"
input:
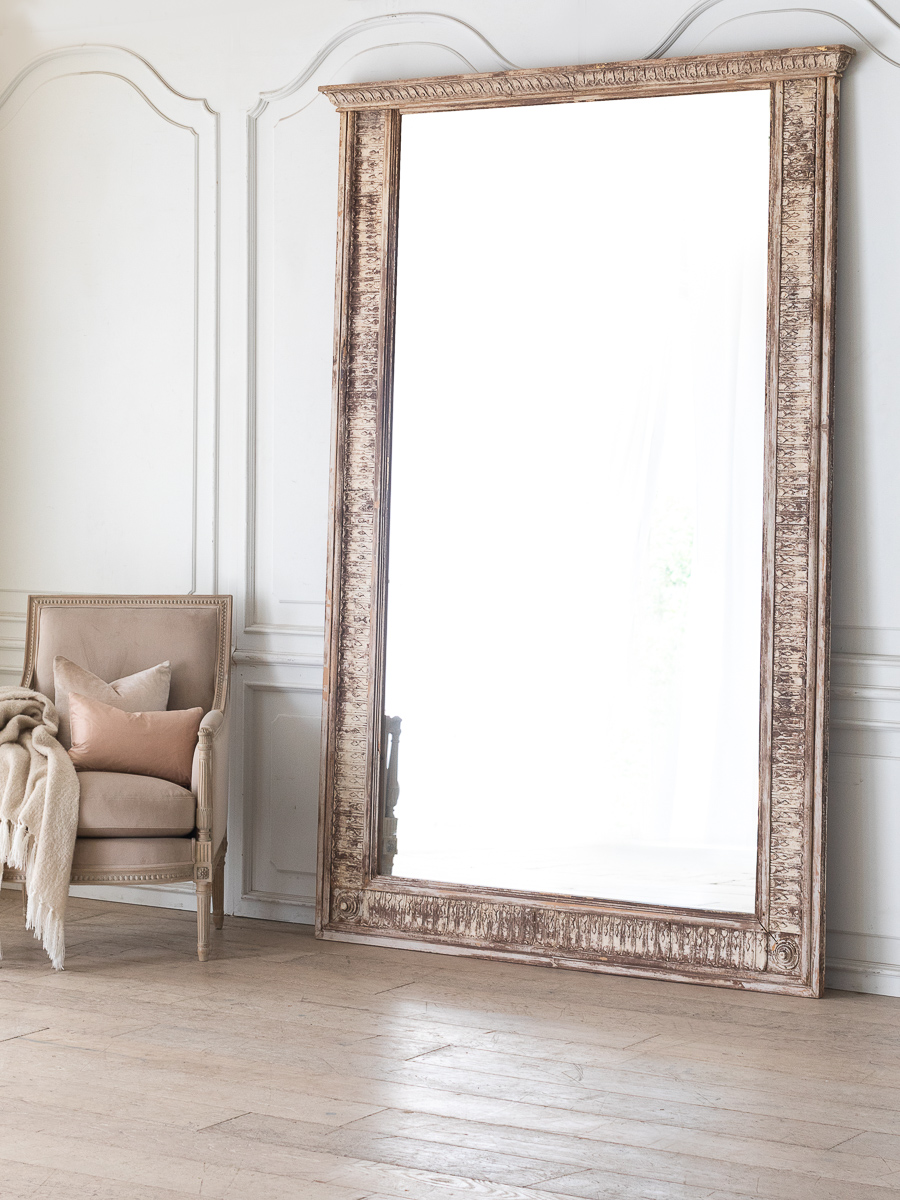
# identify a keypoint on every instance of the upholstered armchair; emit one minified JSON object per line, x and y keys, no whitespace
{"x":135,"y":828}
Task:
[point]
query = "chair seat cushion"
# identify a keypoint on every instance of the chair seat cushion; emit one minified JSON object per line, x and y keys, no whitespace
{"x":149,"y":856}
{"x":115,"y":805}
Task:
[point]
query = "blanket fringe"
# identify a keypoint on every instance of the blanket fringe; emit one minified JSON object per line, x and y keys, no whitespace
{"x":49,"y":926}
{"x":17,"y":849}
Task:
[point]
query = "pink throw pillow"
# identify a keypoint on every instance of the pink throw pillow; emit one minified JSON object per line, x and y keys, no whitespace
{"x":142,"y":743}
{"x":145,"y":691}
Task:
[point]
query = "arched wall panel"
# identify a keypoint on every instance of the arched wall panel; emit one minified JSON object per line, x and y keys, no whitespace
{"x":108,"y":212}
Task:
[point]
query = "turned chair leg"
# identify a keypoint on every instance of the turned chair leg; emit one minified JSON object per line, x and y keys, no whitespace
{"x":218,"y":894}
{"x":204,"y":889}
{"x":24,"y":901}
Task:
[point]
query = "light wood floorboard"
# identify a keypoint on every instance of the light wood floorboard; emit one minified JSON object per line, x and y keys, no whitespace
{"x":291,"y":1069}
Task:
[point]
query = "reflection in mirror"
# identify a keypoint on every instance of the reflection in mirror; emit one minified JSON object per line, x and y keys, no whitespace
{"x":576,"y":500}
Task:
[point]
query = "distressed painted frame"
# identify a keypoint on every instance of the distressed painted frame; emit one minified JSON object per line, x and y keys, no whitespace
{"x":779,"y":948}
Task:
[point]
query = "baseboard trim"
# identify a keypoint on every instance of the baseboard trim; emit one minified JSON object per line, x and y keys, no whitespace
{"x":295,"y":913}
{"x":856,"y":975}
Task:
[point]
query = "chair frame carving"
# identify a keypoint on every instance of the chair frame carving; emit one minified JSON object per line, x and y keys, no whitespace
{"x":779,"y":947}
{"x":207,"y":868}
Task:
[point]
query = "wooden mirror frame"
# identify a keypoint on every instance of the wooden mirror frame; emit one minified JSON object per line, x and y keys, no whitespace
{"x":779,"y":948}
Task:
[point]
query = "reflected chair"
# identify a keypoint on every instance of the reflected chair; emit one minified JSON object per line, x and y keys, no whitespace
{"x":390,"y":789}
{"x":136,"y":829}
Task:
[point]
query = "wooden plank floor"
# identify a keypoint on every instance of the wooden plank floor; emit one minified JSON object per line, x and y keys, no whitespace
{"x":291,"y":1069}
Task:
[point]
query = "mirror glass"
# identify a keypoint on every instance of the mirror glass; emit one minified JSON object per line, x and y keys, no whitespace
{"x":572,"y":656}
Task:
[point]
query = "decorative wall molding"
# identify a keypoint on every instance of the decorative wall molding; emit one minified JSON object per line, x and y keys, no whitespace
{"x":465,"y":38}
{"x":448,"y":33}
{"x":693,"y":16}
{"x":865,"y":692}
{"x":253,"y":889}
{"x":459,"y":37}
{"x":124,"y":64}
{"x":196,"y":117}
{"x":864,"y":755}
{"x":275,"y":658}
{"x":857,"y":33}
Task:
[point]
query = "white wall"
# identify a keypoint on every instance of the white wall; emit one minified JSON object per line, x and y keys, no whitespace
{"x":166,"y":297}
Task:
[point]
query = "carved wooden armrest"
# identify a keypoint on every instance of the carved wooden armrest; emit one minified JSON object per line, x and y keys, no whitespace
{"x":202,"y":784}
{"x":209,"y":783}
{"x":212,"y":722}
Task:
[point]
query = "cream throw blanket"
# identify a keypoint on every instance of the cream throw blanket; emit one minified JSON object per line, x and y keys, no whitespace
{"x":38,"y":811}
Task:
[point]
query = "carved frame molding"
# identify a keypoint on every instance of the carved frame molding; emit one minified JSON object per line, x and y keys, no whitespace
{"x":779,"y":948}
{"x":661,"y":76}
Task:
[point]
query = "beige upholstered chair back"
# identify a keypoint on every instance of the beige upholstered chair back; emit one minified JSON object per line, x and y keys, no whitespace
{"x":115,"y":636}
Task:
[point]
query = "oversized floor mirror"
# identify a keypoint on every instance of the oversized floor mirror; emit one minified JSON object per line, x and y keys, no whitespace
{"x":577,"y":659}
